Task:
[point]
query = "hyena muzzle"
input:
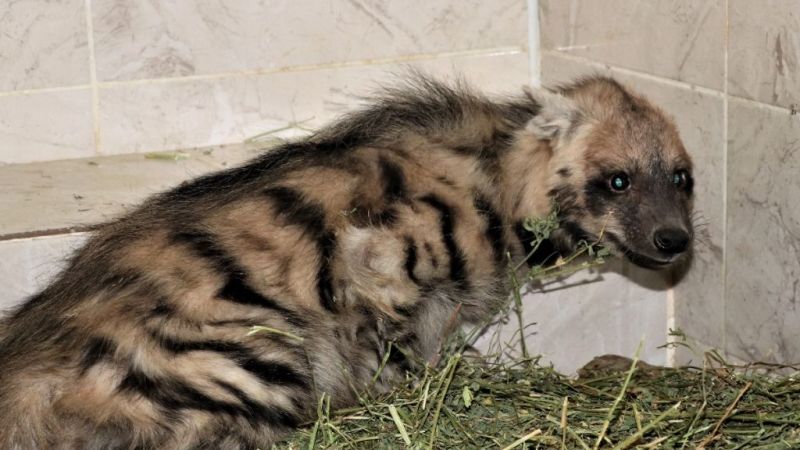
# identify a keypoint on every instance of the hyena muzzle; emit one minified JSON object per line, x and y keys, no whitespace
{"x":379,"y":228}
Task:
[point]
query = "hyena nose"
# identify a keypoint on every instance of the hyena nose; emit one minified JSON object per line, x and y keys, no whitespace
{"x":671,"y":240}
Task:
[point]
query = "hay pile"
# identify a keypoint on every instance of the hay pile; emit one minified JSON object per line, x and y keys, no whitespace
{"x":490,"y":402}
{"x":472,"y":404}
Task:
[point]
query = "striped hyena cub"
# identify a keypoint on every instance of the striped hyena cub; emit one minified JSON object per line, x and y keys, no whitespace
{"x":373,"y":230}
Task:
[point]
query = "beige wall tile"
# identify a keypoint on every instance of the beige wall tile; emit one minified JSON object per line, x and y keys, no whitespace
{"x":43,"y":44}
{"x":209,"y":112}
{"x":699,"y":298}
{"x":64,"y":195}
{"x":592,"y":314}
{"x":682,"y":40}
{"x":763,"y":239}
{"x":764,"y":51}
{"x":150,"y":38}
{"x":46,"y":126}
{"x":27,"y":265}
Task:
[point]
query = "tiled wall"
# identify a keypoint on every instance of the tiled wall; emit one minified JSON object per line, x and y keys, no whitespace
{"x":729,"y":72}
{"x":87,"y":77}
{"x":763,"y":176}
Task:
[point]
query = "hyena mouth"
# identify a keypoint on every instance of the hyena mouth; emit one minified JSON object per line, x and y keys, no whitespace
{"x":641,"y":260}
{"x":644,"y":260}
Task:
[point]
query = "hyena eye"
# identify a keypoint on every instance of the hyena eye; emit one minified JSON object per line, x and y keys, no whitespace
{"x":682,"y":180}
{"x":619,"y":182}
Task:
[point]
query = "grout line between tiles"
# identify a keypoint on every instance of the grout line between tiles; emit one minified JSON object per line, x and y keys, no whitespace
{"x":567,"y":48}
{"x":93,"y":78}
{"x":636,"y":73}
{"x":724,"y":265}
{"x":574,"y":6}
{"x":499,"y":51}
{"x":496,"y":51}
{"x":756,"y":103}
{"x":671,"y":351}
{"x":24,"y":92}
{"x":534,"y":46}
{"x":724,"y":94}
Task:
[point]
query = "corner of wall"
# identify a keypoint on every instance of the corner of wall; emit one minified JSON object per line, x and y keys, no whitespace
{"x":534,"y":46}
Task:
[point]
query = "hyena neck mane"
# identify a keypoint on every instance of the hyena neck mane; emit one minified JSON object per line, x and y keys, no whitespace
{"x":520,"y":152}
{"x":507,"y":143}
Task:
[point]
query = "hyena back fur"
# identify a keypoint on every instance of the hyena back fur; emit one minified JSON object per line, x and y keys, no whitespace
{"x":373,"y":230}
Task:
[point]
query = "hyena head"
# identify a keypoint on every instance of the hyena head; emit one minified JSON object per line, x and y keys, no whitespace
{"x":618,"y":172}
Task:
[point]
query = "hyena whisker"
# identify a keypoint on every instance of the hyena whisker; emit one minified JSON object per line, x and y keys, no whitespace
{"x":703,"y":241}
{"x":699,"y":218}
{"x":700,"y":227}
{"x":701,"y":230}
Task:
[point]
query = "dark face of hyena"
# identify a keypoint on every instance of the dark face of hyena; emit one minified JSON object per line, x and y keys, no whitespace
{"x":626,"y":180}
{"x":639,"y":184}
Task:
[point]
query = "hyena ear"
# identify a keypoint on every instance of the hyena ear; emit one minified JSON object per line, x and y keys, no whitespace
{"x":557,"y":115}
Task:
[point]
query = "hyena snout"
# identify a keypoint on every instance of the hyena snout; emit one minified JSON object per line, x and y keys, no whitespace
{"x":671,"y":241}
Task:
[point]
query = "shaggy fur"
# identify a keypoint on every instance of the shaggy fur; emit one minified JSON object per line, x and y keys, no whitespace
{"x":373,"y":230}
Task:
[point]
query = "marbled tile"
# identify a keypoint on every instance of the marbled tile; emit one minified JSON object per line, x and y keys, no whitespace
{"x":43,"y":43}
{"x":682,"y":40}
{"x":699,"y":301}
{"x":764,"y":51}
{"x":153,"y":39}
{"x":174,"y":115}
{"x":763,"y":238}
{"x":60,"y":196}
{"x":46,"y":126}
{"x":591,"y":314}
{"x":28,"y":265}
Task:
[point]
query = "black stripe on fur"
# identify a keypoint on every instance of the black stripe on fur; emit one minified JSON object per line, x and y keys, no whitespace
{"x":235,"y":288}
{"x":458,"y":263}
{"x":494,"y":227}
{"x":295,"y":209}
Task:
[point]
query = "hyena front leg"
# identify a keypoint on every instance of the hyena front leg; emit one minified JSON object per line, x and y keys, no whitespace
{"x":394,"y":268}
{"x":379,"y":266}
{"x":403,"y":274}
